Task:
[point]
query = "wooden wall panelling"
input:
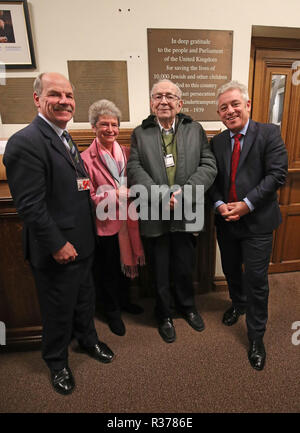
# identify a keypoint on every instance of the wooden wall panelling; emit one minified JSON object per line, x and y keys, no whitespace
{"x":19,"y":307}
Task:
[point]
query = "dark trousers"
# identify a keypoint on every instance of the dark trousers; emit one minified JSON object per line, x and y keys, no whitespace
{"x":245,"y":260}
{"x":67,"y":301}
{"x":112,"y":285}
{"x":172,"y":257}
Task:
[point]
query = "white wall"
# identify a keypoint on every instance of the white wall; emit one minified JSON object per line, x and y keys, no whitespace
{"x":96,"y":30}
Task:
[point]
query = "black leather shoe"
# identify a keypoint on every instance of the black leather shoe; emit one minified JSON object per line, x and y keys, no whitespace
{"x":133,"y":309}
{"x":257,"y":354}
{"x":117,"y":326}
{"x":231,"y":316}
{"x":167,"y":330}
{"x":195,"y":321}
{"x":101,"y":352}
{"x":63,"y":381}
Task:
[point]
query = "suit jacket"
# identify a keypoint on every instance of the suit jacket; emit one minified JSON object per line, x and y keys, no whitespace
{"x":42,"y":180}
{"x":262,"y":169}
{"x":99,"y":175}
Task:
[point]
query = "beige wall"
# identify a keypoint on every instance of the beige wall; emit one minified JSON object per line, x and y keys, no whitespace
{"x":96,"y":30}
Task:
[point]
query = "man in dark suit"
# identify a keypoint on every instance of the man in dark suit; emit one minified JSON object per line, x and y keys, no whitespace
{"x":252,"y":165}
{"x":47,"y":180}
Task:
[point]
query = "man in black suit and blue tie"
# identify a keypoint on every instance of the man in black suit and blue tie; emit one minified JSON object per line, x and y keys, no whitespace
{"x":252,"y":165}
{"x":48,"y":184}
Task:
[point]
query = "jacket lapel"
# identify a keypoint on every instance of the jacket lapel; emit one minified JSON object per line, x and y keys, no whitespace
{"x":158,"y":156}
{"x":227,"y":152}
{"x":180,"y":169}
{"x":57,"y":143}
{"x":248,"y":141}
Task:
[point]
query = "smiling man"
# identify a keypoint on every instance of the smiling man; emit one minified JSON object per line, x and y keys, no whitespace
{"x":170,"y":149}
{"x":252,"y":165}
{"x":45,"y":174}
{"x":54,"y":98}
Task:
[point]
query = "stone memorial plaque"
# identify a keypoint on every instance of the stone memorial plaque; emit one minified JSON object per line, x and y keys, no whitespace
{"x":99,"y":79}
{"x":16,"y":101}
{"x":198,"y":61}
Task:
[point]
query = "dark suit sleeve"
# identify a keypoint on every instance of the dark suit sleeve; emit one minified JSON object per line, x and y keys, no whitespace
{"x":275,"y":167}
{"x":26,"y":173}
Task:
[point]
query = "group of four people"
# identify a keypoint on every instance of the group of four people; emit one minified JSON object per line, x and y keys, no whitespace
{"x":59,"y":194}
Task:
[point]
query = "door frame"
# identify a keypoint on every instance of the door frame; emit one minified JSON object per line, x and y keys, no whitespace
{"x":280,"y":44}
{"x":271,"y":43}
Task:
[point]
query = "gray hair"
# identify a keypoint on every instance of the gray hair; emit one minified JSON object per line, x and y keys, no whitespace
{"x":231,"y":85}
{"x":103,"y":108}
{"x":38,"y":84}
{"x":178,"y":90}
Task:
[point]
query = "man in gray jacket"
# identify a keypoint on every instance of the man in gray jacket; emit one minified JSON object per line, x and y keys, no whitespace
{"x":170,"y":157}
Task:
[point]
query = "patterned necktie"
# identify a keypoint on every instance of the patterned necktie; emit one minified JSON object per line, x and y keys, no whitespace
{"x":71,"y":145}
{"x":234,"y":165}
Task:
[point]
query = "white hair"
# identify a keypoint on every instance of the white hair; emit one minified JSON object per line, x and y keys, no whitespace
{"x":231,"y":85}
{"x":103,"y":107}
{"x":178,"y":90}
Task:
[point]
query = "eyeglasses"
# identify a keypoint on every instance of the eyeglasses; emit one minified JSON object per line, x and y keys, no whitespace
{"x":169,"y":97}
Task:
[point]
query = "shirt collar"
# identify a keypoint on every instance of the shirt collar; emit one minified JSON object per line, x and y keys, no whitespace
{"x":242,"y":131}
{"x":163,"y":129}
{"x":56,"y":128}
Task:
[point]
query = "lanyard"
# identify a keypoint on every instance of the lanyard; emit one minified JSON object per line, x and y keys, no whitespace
{"x":173,"y":138}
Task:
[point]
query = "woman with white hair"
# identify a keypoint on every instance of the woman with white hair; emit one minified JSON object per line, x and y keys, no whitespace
{"x":120,"y":249}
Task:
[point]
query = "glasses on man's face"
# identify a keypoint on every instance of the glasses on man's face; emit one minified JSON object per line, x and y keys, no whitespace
{"x":168,"y":96}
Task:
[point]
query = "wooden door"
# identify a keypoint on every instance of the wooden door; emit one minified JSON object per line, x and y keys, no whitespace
{"x":276,"y":99}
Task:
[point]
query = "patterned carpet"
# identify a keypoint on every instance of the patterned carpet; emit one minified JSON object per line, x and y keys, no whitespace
{"x":205,"y":372}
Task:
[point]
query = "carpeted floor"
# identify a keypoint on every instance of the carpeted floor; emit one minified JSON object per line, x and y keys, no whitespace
{"x":199,"y":373}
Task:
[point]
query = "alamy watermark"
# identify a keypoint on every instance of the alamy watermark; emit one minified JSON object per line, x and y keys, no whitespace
{"x":152,"y":204}
{"x":296,"y":334}
{"x":296,"y":74}
{"x":2,"y":334}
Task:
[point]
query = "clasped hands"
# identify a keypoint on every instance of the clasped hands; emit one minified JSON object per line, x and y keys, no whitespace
{"x":233,"y":211}
{"x":173,"y":201}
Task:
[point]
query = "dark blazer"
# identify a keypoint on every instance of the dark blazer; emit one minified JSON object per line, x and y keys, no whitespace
{"x":42,"y":180}
{"x":261,"y":171}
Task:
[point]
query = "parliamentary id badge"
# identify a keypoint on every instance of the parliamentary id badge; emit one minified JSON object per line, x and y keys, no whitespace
{"x":83,"y":184}
{"x":169,"y":160}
